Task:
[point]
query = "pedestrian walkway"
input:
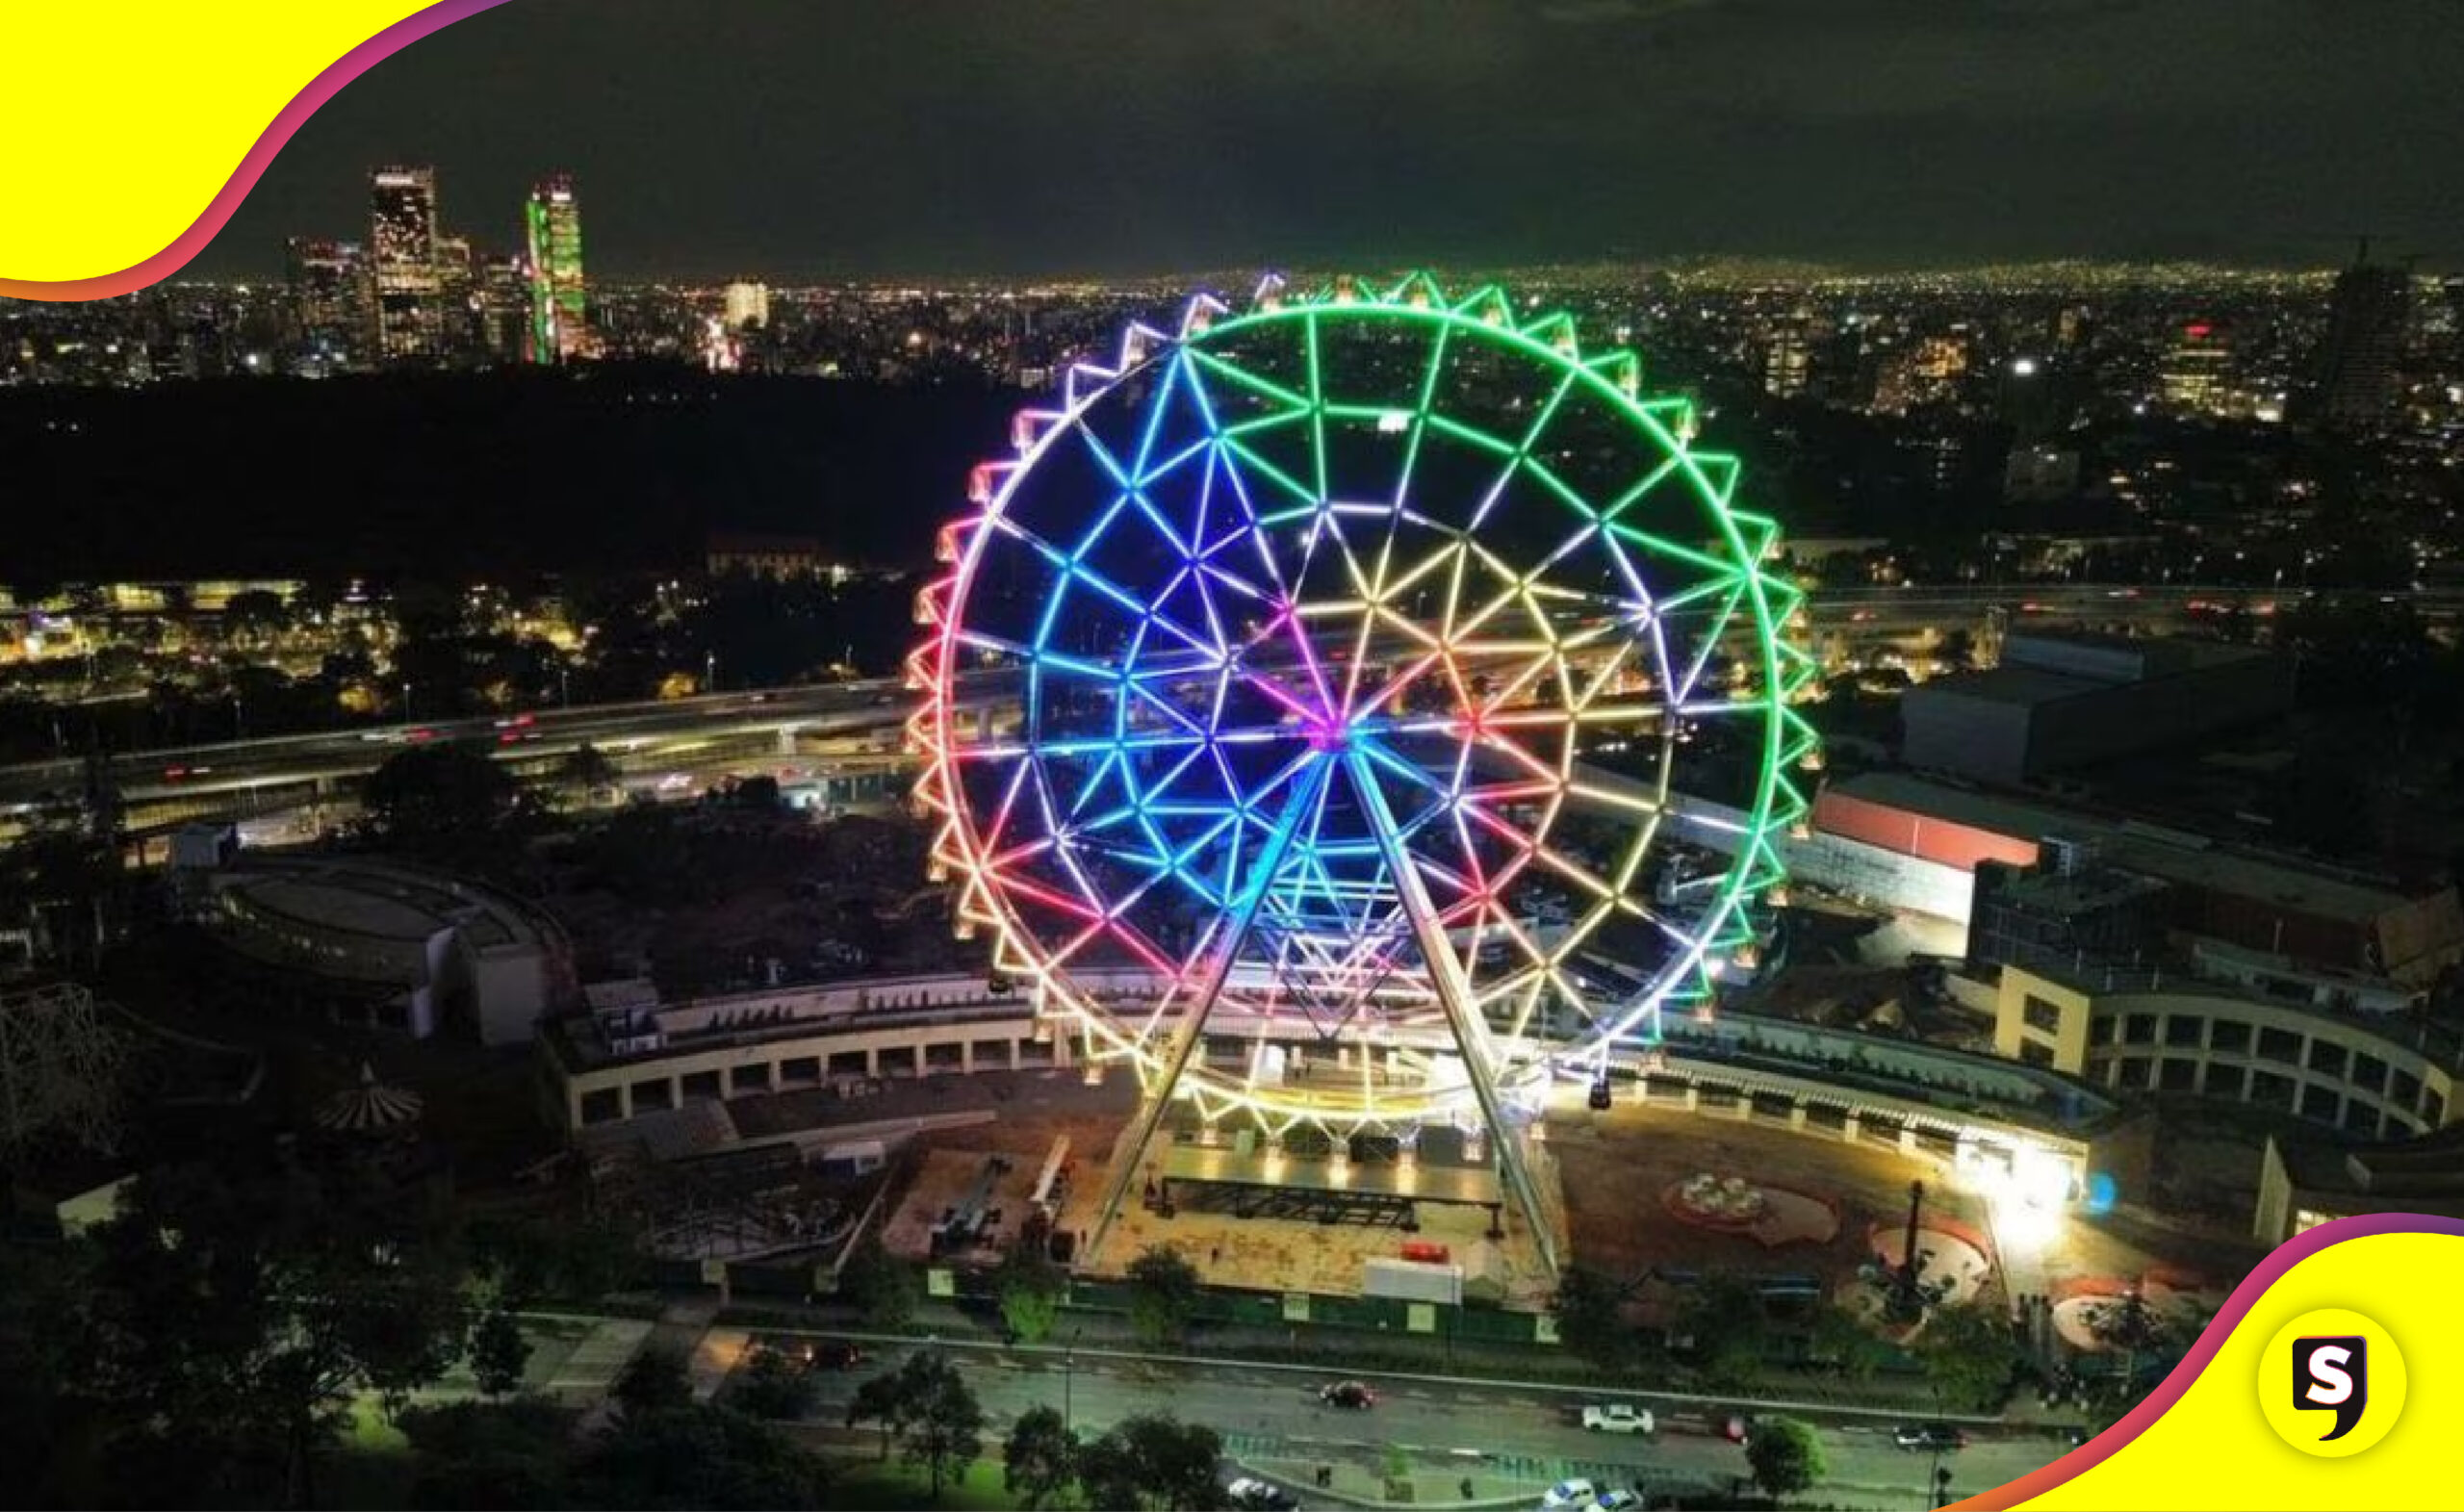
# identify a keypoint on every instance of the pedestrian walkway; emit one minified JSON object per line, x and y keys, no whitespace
{"x":586,"y":1374}
{"x":680,"y":1330}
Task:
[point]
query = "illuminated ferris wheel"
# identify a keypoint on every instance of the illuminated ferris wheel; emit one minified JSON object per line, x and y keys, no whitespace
{"x":1320,"y":686}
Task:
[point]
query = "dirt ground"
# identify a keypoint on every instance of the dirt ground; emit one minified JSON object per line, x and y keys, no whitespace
{"x":1610,"y":1171}
{"x":1619,"y":1163}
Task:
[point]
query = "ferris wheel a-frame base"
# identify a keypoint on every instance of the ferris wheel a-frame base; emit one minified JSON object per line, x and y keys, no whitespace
{"x":1287,"y":1218}
{"x":1134,"y":1164}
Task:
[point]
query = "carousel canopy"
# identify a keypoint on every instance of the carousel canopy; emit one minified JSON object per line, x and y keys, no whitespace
{"x":369,"y":1107}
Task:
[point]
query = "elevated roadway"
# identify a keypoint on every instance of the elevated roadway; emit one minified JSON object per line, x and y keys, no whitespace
{"x":174,"y":783}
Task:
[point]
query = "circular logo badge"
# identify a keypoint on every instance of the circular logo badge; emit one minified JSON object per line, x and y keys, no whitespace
{"x":2332,"y":1382}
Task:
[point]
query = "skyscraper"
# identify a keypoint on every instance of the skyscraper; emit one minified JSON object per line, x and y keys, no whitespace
{"x":500,"y":299}
{"x":409,"y":313}
{"x":2358,"y":377}
{"x":2196,"y":368}
{"x":747,"y":305}
{"x":1787,"y":354}
{"x":559,"y":302}
{"x":458,"y":337}
{"x":327,"y":321}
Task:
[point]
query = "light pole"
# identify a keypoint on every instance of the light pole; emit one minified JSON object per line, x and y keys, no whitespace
{"x":565,"y":686}
{"x":1068,"y":1372}
{"x":406,"y":703}
{"x":710,"y":672}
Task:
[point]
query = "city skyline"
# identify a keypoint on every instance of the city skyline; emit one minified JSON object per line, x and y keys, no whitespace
{"x":1874,"y":135}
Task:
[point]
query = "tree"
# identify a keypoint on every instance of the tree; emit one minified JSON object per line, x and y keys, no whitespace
{"x":944,"y":1424}
{"x":654,"y":1380}
{"x":775,"y":1386}
{"x":234,"y":1318}
{"x":438,"y":795}
{"x":498,"y":1352}
{"x":699,"y":1457}
{"x":479,"y":1455}
{"x":1591,"y":1320}
{"x":1970,"y":1355}
{"x":587,"y":770}
{"x":883,"y":1400}
{"x":1163,"y":1295}
{"x":1153,"y":1461}
{"x":44,"y":1296}
{"x":1786,"y":1455}
{"x":574,"y":1257}
{"x":1031,"y":1287}
{"x":1041,"y":1457}
{"x":1841,"y":1340}
{"x":884,"y":1288}
{"x":255,"y":612}
{"x":1723,"y":1317}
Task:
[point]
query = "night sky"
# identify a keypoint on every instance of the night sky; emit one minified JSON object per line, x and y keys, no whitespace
{"x":792,"y":138}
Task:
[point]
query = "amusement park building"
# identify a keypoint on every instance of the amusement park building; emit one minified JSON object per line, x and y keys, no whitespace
{"x":2304,"y":1184}
{"x":2064,"y":701}
{"x":431,"y":947}
{"x":1916,"y":843}
{"x":637,"y":1061}
{"x":2377,"y":1076}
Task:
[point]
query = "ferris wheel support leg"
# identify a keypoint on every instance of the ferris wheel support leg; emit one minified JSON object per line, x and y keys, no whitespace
{"x":1455,"y":999}
{"x":1190,"y":1032}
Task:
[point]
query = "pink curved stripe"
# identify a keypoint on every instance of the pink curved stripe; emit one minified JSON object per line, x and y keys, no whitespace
{"x":325,"y":87}
{"x":2237,"y":1307}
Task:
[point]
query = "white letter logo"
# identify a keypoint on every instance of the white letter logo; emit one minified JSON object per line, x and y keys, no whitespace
{"x":2329,"y":1383}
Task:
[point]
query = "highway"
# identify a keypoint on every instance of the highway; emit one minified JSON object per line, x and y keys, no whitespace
{"x":281,"y":771}
{"x":1271,"y":1418}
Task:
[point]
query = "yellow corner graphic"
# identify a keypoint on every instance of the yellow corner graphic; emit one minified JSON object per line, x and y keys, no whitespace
{"x":2331,"y":1381}
{"x":148,"y":121}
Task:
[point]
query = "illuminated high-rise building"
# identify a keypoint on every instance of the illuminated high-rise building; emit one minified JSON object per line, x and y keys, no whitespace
{"x":458,"y":338}
{"x":408,"y":308}
{"x":2358,"y":371}
{"x":560,"y":301}
{"x":327,"y":285}
{"x":1787,"y":354}
{"x":1928,"y":373}
{"x":748,"y":305}
{"x":2197,"y":369}
{"x":500,"y":302}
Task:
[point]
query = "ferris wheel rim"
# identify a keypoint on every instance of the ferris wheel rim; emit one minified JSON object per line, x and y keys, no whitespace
{"x":1775,"y":801}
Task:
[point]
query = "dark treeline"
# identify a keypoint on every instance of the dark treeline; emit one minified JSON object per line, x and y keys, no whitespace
{"x":460,"y":477}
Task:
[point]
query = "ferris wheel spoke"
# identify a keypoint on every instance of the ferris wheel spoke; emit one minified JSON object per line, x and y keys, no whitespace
{"x":1314,"y":664}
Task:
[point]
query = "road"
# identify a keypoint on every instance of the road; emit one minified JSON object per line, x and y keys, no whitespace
{"x":1529,"y":1433}
{"x":287,"y":769}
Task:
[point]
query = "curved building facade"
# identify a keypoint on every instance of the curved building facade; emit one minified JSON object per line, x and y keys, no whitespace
{"x":2374,"y":1075}
{"x":444,"y":947}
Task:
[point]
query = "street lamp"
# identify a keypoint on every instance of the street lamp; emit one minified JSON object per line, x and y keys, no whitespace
{"x":710,"y":672}
{"x":1068,"y":1372}
{"x":406,"y":703}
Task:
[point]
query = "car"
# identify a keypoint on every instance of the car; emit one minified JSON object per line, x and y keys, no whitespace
{"x":834,"y":1354}
{"x":1569,"y":1496}
{"x":1352,"y":1394}
{"x":1259,"y":1495}
{"x":1616,"y":1501}
{"x":1617,"y":1417}
{"x":1935,"y":1436}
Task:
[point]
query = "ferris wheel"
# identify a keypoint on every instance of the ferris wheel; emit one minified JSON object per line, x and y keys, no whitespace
{"x":1362,"y":679}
